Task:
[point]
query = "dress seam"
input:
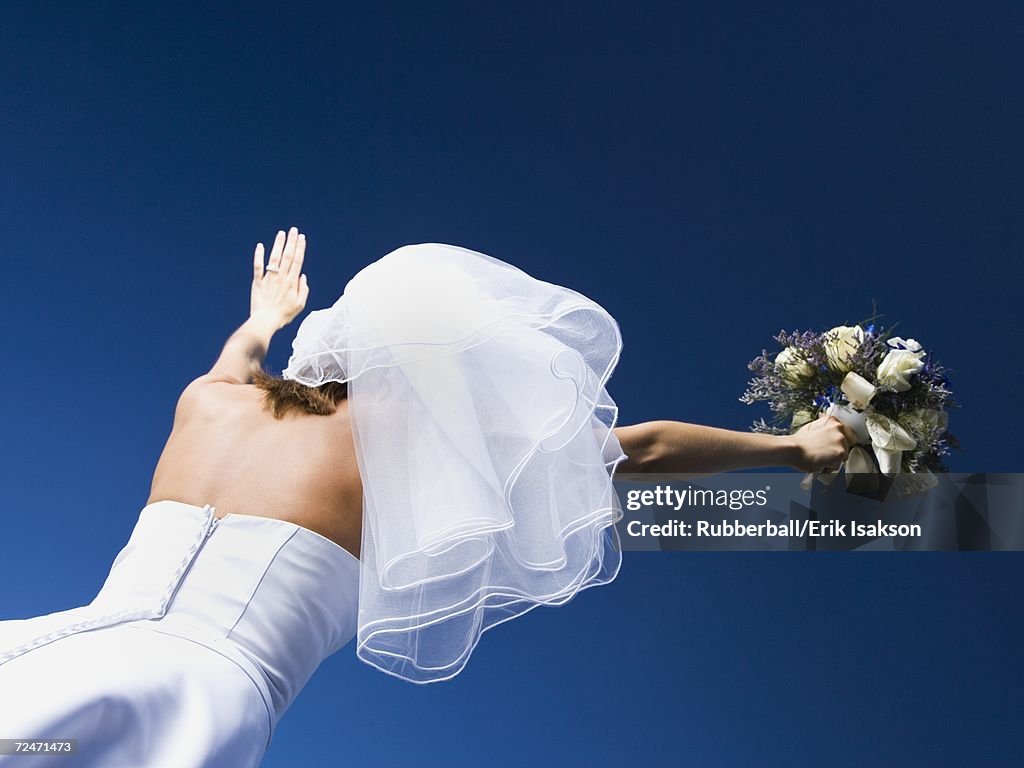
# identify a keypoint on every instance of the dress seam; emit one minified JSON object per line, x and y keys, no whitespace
{"x":212,"y":647}
{"x":270,"y":564}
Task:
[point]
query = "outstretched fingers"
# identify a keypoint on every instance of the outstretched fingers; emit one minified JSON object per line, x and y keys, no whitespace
{"x":298,"y":255}
{"x":289,"y":250}
{"x":257,"y":262}
{"x":274,"y":263}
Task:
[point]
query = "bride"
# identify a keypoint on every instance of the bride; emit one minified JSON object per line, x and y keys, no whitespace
{"x":435,"y":459}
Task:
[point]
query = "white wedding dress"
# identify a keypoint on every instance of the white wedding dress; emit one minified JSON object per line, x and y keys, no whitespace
{"x":484,"y":439}
{"x":200,"y":638}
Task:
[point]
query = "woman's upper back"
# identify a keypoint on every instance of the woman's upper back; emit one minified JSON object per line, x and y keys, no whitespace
{"x":226,"y":449}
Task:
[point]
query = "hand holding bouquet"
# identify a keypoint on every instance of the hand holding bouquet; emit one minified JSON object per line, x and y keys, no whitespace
{"x":887,"y":389}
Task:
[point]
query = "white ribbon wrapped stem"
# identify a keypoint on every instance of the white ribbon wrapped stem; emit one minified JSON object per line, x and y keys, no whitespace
{"x":860,"y":392}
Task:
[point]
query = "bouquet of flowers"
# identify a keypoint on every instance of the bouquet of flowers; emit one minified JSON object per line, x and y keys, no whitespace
{"x":889,"y":390}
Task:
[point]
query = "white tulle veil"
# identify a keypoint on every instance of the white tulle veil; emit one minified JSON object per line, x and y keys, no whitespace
{"x":483,"y":433}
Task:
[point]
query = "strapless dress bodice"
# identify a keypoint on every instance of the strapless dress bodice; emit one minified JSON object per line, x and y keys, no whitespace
{"x":272,"y":596}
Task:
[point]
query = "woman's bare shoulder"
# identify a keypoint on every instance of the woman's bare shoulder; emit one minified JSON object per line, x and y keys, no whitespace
{"x":209,"y":390}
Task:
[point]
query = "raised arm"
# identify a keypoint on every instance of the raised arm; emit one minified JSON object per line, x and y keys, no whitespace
{"x":278,"y":295}
{"x":678,"y":447}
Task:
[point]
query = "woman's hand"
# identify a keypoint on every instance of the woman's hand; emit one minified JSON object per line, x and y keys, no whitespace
{"x":279,"y":293}
{"x":822,"y":444}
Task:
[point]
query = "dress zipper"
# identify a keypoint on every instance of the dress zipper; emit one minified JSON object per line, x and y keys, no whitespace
{"x":128,"y":615}
{"x":195,"y":556}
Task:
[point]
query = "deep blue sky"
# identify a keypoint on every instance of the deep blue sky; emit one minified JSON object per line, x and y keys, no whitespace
{"x":709,"y":172}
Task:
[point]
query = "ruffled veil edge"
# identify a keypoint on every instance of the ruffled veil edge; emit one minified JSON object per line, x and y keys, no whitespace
{"x":484,"y":437}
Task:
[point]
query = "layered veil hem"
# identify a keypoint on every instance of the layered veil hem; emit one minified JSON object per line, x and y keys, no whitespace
{"x":484,"y":436}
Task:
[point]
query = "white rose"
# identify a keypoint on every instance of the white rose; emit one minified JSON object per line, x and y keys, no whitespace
{"x":899,"y":365}
{"x":841,"y":343}
{"x":793,"y":367}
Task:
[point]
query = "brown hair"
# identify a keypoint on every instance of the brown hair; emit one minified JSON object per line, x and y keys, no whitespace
{"x":283,"y":395}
